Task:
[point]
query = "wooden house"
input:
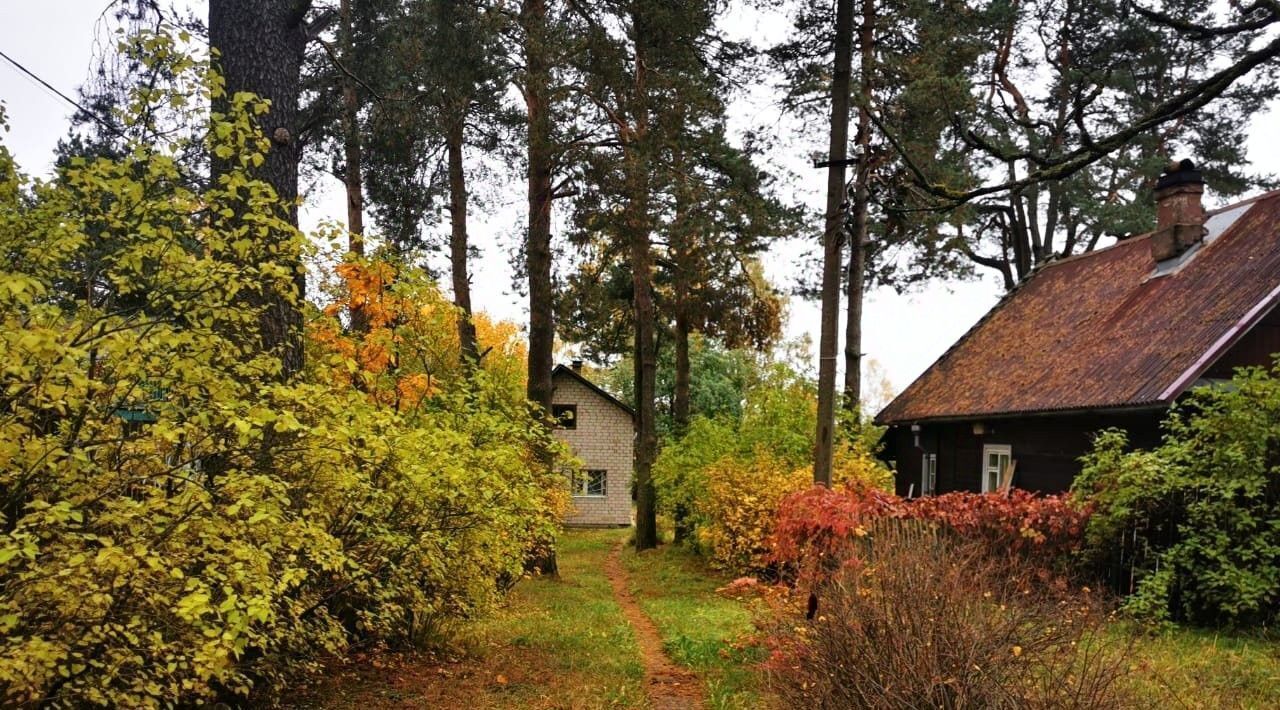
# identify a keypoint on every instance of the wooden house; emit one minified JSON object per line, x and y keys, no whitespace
{"x":1110,"y":338}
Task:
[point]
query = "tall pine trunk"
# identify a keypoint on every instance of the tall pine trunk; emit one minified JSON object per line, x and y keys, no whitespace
{"x":855,"y":277}
{"x":533,"y":21}
{"x":831,"y":244}
{"x":458,"y":245}
{"x":261,"y":44}
{"x":636,"y":165}
{"x":533,"y":17}
{"x":353,"y":179}
{"x":680,"y":402}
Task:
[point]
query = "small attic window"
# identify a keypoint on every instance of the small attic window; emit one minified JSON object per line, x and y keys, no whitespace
{"x":566,"y":415}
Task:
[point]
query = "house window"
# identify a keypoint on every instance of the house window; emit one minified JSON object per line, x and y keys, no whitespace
{"x":566,"y":415}
{"x":590,"y":483}
{"x":996,"y":459}
{"x":928,"y":474}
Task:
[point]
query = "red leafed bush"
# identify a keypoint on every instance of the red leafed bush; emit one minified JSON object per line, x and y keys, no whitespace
{"x":823,"y":522}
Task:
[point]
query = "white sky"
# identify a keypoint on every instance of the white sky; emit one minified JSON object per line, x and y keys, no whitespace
{"x":56,"y":40}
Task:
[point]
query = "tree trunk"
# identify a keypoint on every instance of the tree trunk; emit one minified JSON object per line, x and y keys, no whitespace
{"x":831,"y":244}
{"x":458,"y":245}
{"x":261,"y":43}
{"x":533,"y":18}
{"x":353,"y":178}
{"x":646,"y":361}
{"x":856,"y":276}
{"x":680,"y":403}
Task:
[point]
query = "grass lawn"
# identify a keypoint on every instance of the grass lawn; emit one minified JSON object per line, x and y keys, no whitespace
{"x":565,"y":643}
{"x":1190,"y":668}
{"x":698,"y":627}
{"x":560,"y":643}
{"x":586,"y":654}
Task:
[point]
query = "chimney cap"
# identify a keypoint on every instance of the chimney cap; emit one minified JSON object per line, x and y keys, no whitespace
{"x":1180,"y":172}
{"x":576,"y":365}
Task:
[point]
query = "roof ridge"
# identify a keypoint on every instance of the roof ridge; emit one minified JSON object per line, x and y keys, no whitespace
{"x":562,"y":368}
{"x":1263,"y":207}
{"x":1145,"y":235}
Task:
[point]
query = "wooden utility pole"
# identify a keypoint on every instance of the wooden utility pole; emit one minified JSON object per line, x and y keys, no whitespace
{"x":832,"y":242}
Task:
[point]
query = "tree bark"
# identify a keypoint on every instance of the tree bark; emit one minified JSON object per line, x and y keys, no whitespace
{"x":537,"y":80}
{"x":646,"y":361}
{"x":533,"y":17}
{"x":261,"y":44}
{"x":856,"y":276}
{"x":458,"y":246}
{"x":353,"y":178}
{"x":680,"y":402}
{"x":831,"y":244}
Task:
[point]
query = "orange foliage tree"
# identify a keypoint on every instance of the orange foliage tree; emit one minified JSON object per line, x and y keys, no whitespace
{"x":410,"y":349}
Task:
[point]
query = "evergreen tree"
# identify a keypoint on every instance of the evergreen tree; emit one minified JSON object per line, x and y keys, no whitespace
{"x":1072,"y":108}
{"x":260,"y":47}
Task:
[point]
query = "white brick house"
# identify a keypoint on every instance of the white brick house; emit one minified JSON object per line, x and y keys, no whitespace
{"x":600,"y":430}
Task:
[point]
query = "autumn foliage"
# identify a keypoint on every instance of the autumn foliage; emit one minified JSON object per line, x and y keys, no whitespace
{"x":821,"y":522}
{"x":739,"y":507}
{"x":180,"y":524}
{"x":409,"y":347}
{"x":957,"y":600}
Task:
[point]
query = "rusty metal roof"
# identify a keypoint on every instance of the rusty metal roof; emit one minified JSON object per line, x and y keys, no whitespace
{"x":1109,"y":329}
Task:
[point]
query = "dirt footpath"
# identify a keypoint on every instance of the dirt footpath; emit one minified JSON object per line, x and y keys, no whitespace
{"x":668,"y":686}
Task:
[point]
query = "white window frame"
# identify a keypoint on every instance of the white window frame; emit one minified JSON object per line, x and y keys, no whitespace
{"x":582,"y":483}
{"x":928,"y":474}
{"x":991,"y":476}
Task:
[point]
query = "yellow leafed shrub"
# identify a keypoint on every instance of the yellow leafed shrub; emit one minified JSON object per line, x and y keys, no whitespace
{"x":178,"y":524}
{"x":742,"y":494}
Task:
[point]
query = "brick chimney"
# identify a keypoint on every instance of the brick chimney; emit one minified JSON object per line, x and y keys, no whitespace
{"x":1179,"y":212}
{"x":576,"y":365}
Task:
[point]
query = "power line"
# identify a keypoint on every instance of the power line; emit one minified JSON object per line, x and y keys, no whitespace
{"x":98,"y":119}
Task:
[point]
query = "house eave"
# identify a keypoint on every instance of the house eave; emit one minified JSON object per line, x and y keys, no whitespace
{"x":563,"y":369}
{"x":1040,"y":413}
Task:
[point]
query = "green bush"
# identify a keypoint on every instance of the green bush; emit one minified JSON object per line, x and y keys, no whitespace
{"x":726,"y":476}
{"x":1205,"y":505}
{"x":178,"y":524}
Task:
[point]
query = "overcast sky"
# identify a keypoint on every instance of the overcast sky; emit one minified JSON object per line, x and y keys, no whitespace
{"x":57,"y":39}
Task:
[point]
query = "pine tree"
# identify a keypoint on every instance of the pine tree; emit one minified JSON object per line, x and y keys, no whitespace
{"x":1072,"y":110}
{"x":260,"y":47}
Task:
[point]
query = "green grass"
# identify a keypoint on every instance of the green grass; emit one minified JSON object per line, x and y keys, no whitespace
{"x":558,"y":643}
{"x":698,"y":627}
{"x":565,"y":643}
{"x":574,"y":629}
{"x":1180,"y":667}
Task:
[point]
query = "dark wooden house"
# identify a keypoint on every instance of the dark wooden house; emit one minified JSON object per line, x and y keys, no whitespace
{"x":1110,"y":338}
